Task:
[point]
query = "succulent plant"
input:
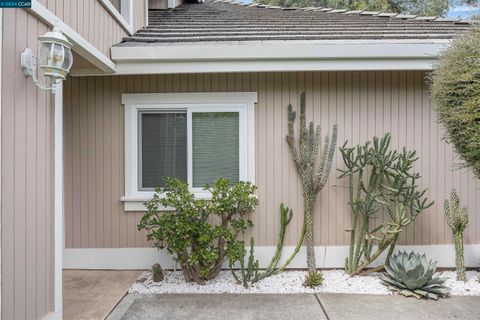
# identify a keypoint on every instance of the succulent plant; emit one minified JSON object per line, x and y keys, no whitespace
{"x":157,"y":273}
{"x":457,"y":219}
{"x":313,"y":279}
{"x":412,"y":275}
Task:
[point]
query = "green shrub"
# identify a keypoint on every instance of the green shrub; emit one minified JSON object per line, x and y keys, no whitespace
{"x":455,"y":85}
{"x":199,"y":245}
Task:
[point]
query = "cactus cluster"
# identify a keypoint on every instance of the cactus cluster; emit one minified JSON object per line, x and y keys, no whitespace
{"x":412,"y":275}
{"x":379,"y":180}
{"x":304,"y":152}
{"x":249,"y":273}
{"x":457,"y":219}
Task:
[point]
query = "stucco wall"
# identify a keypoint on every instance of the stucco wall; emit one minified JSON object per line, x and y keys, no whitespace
{"x":363,"y":104}
{"x":27,"y":178}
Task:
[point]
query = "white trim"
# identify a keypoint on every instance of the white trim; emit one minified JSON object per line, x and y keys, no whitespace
{"x":243,"y":102}
{"x":80,"y":45}
{"x":175,"y":67}
{"x":272,"y":50}
{"x":1,"y":98}
{"x":126,"y":7}
{"x":354,"y":55}
{"x":171,"y":4}
{"x":144,"y":258}
{"x":117,"y":16}
{"x":59,"y":201}
{"x":54,"y":316}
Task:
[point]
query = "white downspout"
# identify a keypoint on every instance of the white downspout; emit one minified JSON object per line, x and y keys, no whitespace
{"x":58,"y":159}
{"x":1,"y":76}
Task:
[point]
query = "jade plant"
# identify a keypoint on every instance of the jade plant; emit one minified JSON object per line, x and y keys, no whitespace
{"x":379,"y":180}
{"x":305,"y":153}
{"x":188,"y":232}
{"x":457,"y":219}
{"x":249,"y":272}
{"x":413,"y":276}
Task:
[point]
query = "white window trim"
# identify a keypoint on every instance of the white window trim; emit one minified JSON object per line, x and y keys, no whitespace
{"x":125,"y":20}
{"x":243,"y":102}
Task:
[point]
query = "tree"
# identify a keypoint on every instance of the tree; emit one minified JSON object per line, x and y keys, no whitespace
{"x":455,"y":86}
{"x":417,"y":7}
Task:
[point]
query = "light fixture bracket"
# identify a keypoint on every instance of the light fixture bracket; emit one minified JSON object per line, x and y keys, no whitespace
{"x":28,"y":62}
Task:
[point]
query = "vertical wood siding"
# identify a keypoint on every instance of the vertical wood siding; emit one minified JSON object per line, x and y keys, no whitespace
{"x":92,"y":21}
{"x":363,"y":104}
{"x":27,"y":178}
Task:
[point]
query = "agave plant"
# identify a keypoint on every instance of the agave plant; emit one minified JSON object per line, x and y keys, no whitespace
{"x":413,"y":276}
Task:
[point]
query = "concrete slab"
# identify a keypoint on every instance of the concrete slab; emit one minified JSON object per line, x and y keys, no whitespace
{"x":92,"y":294}
{"x":218,"y":307}
{"x":361,"y":307}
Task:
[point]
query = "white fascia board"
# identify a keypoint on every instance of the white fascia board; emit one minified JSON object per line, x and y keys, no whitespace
{"x":275,"y":50}
{"x":279,"y":56}
{"x":117,"y":16}
{"x":80,"y":44}
{"x":130,"y":68}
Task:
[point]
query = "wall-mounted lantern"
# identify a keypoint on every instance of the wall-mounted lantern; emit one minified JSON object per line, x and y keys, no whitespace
{"x":54,"y":59}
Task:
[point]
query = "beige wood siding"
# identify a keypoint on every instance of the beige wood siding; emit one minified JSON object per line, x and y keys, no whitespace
{"x":363,"y":104}
{"x":92,"y":21}
{"x":139,"y":14}
{"x":27,"y":178}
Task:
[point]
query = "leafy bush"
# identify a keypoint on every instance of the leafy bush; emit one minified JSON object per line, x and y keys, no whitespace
{"x":413,"y":276}
{"x":455,"y":85}
{"x":198,"y":244}
{"x":379,"y":180}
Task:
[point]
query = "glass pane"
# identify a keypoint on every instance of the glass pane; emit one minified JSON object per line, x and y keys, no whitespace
{"x":163,"y":148}
{"x":215,"y":144}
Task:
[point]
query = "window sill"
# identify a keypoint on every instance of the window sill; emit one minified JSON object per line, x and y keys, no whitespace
{"x":136,"y":203}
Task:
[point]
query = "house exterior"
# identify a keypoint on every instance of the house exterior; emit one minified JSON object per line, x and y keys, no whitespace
{"x":200,"y":91}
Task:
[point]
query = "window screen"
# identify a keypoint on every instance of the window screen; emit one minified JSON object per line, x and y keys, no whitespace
{"x":163,"y":148}
{"x":215,"y":147}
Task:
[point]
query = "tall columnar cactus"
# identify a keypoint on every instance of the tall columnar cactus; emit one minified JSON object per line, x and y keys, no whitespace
{"x":457,"y":219}
{"x":313,"y":177}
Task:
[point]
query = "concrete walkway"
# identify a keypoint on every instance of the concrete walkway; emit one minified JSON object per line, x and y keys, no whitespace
{"x":92,"y":294}
{"x":294,"y":306}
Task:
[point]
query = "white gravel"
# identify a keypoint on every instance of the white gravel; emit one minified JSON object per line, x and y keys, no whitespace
{"x":336,"y":281}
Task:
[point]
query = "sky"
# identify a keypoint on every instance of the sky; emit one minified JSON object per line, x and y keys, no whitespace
{"x":463,"y":11}
{"x":458,"y":11}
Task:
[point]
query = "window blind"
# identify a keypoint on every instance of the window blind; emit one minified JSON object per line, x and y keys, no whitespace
{"x":215,"y":147}
{"x":163,"y":145}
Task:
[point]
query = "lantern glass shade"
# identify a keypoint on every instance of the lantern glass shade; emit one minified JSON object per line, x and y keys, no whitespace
{"x":55,"y":60}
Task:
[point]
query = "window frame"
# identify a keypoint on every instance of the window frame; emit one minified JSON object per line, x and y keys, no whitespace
{"x":241,"y":102}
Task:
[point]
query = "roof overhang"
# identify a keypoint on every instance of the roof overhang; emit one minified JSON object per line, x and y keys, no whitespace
{"x":352,"y":55}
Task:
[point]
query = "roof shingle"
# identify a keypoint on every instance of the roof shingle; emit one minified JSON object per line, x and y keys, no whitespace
{"x":225,"y":21}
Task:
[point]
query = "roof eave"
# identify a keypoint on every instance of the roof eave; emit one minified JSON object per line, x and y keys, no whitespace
{"x":278,"y":56}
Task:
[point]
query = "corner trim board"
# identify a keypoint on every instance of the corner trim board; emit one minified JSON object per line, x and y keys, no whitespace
{"x":144,"y":258}
{"x":117,"y":16}
{"x":81,"y":45}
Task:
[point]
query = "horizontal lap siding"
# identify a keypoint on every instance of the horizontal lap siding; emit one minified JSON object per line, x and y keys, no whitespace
{"x":363,"y":104}
{"x":27,"y":178}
